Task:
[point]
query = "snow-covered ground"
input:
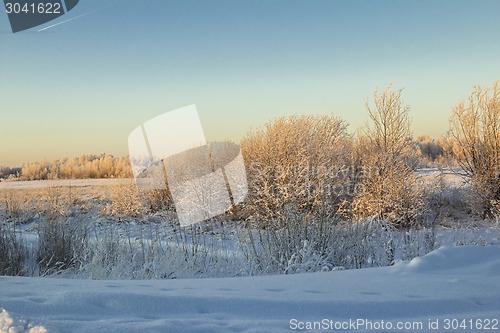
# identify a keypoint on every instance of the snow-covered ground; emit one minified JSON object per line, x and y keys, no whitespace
{"x":454,"y":287}
{"x":450,"y":286}
{"x":450,"y":176}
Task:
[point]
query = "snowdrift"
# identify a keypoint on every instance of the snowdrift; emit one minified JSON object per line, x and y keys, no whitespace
{"x":461,"y":283}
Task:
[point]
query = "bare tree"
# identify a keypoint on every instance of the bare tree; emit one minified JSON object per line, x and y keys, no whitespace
{"x":388,"y":186}
{"x":390,"y":134}
{"x":475,"y":126}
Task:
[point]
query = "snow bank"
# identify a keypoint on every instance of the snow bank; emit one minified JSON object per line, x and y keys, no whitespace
{"x":466,"y":259}
{"x":454,"y":282}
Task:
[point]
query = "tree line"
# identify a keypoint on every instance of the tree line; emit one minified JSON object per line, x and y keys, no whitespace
{"x":78,"y":167}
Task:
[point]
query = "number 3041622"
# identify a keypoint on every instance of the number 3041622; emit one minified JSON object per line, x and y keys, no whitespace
{"x":39,"y":8}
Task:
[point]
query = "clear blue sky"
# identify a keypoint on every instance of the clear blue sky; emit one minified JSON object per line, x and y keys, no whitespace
{"x":82,"y":86}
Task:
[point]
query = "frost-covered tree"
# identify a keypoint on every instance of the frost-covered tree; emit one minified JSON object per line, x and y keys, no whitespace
{"x":475,"y":126}
{"x":85,"y":166}
{"x":388,"y":187}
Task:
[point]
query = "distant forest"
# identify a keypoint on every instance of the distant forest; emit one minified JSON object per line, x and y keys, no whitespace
{"x":80,"y":167}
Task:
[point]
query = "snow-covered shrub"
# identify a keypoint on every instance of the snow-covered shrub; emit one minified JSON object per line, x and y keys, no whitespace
{"x":12,"y":204}
{"x":105,"y":254}
{"x":297,"y":163}
{"x":307,"y":259}
{"x":429,"y":241}
{"x":318,"y":246}
{"x":61,"y":242}
{"x":475,"y":126}
{"x":13,"y":252}
{"x":496,"y":210}
{"x":446,"y":195}
{"x":393,"y":193}
{"x":415,"y":242}
{"x":58,"y":201}
{"x":196,"y":253}
{"x":365,"y":243}
{"x":157,"y":200}
{"x":445,"y":199}
{"x":272,"y":249}
{"x":410,"y":246}
{"x":125,"y":200}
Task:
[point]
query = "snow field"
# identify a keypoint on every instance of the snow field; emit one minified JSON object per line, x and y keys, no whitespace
{"x":450,"y":283}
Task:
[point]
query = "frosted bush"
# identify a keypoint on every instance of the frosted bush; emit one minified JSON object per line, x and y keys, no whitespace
{"x":307,"y":259}
{"x":61,"y":241}
{"x":306,"y":247}
{"x":297,"y":163}
{"x":13,"y":252}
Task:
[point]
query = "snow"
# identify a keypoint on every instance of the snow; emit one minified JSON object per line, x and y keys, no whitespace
{"x":8,"y":325}
{"x":449,"y":283}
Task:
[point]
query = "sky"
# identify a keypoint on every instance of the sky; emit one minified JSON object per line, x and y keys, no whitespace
{"x":82,"y":86}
